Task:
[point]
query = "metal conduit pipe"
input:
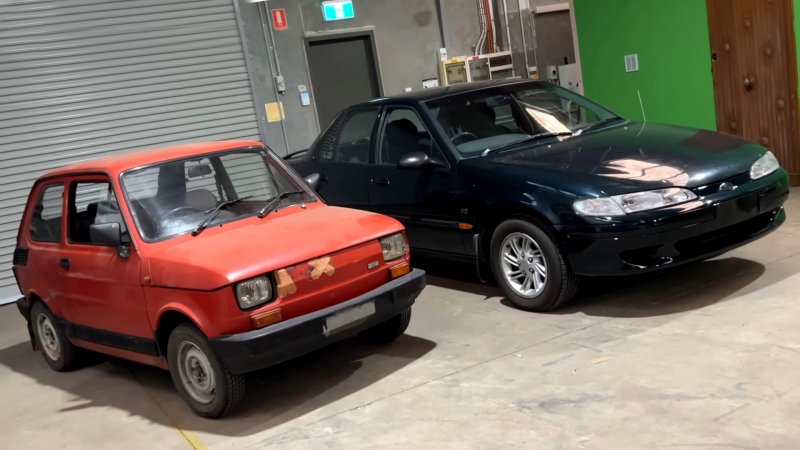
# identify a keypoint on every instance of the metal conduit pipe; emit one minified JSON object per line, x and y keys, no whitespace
{"x":532,"y":22}
{"x":482,"y":23}
{"x":524,"y":44}
{"x":508,"y":32}
{"x":271,"y":45}
{"x":440,"y":10}
{"x":489,"y":19}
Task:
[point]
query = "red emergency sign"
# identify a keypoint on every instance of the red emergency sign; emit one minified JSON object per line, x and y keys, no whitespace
{"x":279,"y":19}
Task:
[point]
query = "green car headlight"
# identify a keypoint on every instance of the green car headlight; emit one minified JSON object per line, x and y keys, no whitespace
{"x":764,"y":166}
{"x":619,"y":205}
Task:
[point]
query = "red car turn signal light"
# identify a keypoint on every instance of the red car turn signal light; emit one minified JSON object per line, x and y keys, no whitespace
{"x":263,"y":319}
{"x":400,"y":270}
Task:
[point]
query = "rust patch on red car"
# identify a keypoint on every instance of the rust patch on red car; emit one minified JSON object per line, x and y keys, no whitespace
{"x":320,"y":266}
{"x":286,"y":285}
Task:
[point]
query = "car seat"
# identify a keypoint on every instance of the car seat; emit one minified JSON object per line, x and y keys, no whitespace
{"x":201,"y":199}
{"x":171,"y":186}
{"x":43,"y":230}
{"x":147,"y":225}
{"x":401,"y":138}
{"x":108,"y":212}
{"x":479,"y":119}
{"x":79,"y":223}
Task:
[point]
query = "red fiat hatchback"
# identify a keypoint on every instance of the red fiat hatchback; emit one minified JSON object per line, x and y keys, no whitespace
{"x":210,"y":260}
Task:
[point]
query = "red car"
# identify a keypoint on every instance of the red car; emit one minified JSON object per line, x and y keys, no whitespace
{"x":210,"y":260}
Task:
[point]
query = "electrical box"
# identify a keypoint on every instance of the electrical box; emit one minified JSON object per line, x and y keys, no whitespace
{"x":463,"y":69}
{"x":280,"y":84}
{"x":568,"y":76}
{"x":501,"y":65}
{"x":453,"y":71}
{"x":478,"y":69}
{"x":552,"y":74}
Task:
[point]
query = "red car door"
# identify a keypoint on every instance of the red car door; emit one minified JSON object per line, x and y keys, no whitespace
{"x":103,"y":288}
{"x":43,"y":238}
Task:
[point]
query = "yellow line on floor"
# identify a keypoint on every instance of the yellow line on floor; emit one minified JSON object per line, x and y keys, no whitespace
{"x":190,"y":437}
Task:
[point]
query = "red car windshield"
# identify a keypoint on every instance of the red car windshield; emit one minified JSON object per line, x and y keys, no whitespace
{"x":175,"y":197}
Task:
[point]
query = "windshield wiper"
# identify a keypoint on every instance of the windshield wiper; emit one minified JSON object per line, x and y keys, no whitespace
{"x":273,"y":202}
{"x":597,"y":124}
{"x":213,"y":212}
{"x":535,"y":137}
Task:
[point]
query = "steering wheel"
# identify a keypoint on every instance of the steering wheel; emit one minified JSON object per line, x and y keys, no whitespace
{"x":463,"y":134}
{"x":180,"y":211}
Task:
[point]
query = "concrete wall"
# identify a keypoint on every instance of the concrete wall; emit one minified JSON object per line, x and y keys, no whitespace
{"x":300,"y":124}
{"x":462,"y":26}
{"x":407,"y":36}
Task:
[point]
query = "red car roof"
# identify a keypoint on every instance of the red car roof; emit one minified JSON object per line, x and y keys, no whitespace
{"x":119,"y":163}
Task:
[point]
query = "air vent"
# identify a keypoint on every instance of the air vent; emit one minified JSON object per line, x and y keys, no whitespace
{"x":20,"y":257}
{"x":631,"y":63}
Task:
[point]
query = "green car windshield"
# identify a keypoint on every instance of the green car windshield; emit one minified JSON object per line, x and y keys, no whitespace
{"x":176,"y":197}
{"x":480,"y":121}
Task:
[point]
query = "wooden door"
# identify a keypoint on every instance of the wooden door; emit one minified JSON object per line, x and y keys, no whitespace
{"x":754,"y":63}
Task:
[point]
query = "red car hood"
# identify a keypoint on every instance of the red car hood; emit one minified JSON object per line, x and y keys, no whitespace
{"x":250,"y":247}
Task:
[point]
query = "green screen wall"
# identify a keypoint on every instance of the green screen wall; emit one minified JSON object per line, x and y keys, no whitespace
{"x":796,"y":7}
{"x":671,"y":39}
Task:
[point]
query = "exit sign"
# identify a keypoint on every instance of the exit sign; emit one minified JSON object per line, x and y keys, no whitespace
{"x":338,"y":10}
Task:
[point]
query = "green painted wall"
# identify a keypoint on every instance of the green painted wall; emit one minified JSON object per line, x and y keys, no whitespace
{"x":671,"y":39}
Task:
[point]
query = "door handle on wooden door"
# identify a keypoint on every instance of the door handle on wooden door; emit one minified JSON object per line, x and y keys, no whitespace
{"x":748,"y":83}
{"x":379,"y":181}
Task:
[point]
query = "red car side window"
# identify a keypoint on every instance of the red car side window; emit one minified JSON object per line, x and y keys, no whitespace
{"x":45,"y":225}
{"x":90,"y":203}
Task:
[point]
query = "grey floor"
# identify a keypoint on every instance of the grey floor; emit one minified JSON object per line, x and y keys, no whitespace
{"x":702,"y":356}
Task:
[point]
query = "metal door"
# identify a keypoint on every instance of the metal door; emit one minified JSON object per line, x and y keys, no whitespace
{"x":343,"y":72}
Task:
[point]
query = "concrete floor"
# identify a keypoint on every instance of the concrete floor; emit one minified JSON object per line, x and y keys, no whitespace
{"x":702,"y":356}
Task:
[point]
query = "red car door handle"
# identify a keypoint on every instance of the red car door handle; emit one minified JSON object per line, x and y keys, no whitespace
{"x":380,"y":181}
{"x":64,"y":262}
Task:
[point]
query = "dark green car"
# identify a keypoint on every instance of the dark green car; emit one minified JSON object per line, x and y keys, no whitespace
{"x":543,"y":186}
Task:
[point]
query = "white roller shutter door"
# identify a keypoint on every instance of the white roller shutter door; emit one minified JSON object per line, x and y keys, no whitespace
{"x":81,"y":79}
